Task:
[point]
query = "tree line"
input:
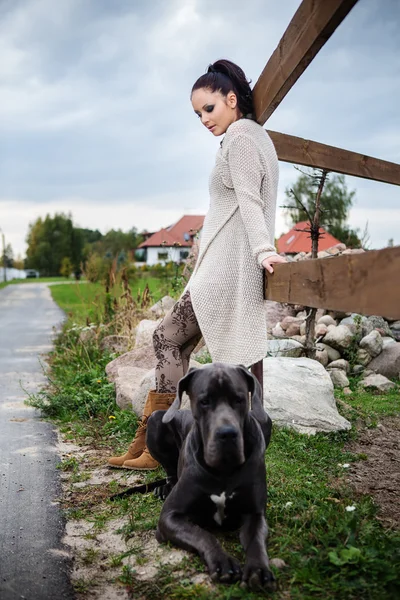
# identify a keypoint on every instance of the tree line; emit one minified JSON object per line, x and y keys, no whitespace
{"x":57,"y":247}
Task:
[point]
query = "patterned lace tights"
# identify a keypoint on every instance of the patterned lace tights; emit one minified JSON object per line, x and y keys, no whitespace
{"x":174,"y":340}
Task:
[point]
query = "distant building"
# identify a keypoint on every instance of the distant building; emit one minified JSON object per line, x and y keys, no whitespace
{"x":297,"y":240}
{"x":172,"y":243}
{"x":11,"y":273}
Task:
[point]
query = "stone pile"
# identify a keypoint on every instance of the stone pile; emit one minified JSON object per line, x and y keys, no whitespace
{"x":335,"y":250}
{"x":346,"y":344}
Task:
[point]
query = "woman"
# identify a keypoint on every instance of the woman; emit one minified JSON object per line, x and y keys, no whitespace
{"x":223,"y":300}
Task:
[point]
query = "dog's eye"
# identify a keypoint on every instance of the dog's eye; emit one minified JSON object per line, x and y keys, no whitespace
{"x":204,"y":401}
{"x":240,"y":399}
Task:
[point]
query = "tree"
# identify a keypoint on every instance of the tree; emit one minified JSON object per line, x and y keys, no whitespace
{"x":336,"y":201}
{"x":8,"y":257}
{"x":50,"y":241}
{"x":116,"y":241}
{"x":66,"y":267}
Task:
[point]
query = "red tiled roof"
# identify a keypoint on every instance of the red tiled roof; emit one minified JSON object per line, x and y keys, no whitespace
{"x":294,"y":241}
{"x":175,"y":234}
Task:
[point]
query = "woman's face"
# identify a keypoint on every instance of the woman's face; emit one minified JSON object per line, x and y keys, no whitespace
{"x":216,"y":111}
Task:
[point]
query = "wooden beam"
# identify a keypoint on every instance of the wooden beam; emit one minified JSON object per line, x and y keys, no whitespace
{"x":313,"y":154}
{"x":366,"y":283}
{"x":311,"y":26}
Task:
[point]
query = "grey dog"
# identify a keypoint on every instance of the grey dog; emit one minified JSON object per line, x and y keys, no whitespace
{"x":213,"y":455}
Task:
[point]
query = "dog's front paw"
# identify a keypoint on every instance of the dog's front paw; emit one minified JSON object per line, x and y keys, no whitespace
{"x":162,"y":491}
{"x":224,"y":568}
{"x":258,"y":576}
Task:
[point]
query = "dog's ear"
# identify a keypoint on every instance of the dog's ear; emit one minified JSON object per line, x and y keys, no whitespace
{"x":257,"y":407}
{"x":183,"y":385}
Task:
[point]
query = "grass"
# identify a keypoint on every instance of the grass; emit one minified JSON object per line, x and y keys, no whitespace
{"x":84,"y":301}
{"x":331,"y":553}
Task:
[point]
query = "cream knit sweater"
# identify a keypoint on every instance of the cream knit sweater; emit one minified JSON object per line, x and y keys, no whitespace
{"x":226,"y":287}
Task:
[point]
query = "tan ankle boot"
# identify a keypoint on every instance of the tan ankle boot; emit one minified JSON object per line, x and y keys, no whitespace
{"x":139,"y":441}
{"x":145,"y":462}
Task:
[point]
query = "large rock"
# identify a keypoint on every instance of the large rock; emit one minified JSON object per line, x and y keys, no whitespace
{"x":298,"y":393}
{"x":388,"y":362}
{"x":160,"y":308}
{"x":377,"y":383}
{"x":339,"y":337}
{"x":284,"y":348}
{"x":144,"y":332}
{"x":372,"y":343}
{"x":138,"y":393}
{"x":141,"y":358}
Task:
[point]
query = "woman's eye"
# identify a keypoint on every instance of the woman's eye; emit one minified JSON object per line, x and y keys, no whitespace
{"x":210,"y":108}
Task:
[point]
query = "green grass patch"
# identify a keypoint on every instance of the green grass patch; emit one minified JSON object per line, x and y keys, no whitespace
{"x":370,"y":405}
{"x":85,"y":301}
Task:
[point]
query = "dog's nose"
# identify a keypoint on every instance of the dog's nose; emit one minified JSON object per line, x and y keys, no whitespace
{"x":226,"y":432}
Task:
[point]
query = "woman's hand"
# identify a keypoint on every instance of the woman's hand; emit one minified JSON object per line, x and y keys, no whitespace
{"x":271,"y":260}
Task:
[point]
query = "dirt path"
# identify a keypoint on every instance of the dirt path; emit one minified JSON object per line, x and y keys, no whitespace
{"x":377,"y":474}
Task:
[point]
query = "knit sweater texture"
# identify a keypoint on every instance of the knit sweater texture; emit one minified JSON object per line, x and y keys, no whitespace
{"x":226,"y":286}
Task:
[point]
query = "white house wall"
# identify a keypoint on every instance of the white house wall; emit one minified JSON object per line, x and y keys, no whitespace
{"x":173,"y":254}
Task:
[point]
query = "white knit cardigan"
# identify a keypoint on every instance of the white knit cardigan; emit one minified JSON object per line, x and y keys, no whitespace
{"x":226,"y":286}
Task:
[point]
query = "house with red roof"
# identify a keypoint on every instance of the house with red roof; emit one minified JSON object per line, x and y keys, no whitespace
{"x":172,"y":243}
{"x":298,"y":240}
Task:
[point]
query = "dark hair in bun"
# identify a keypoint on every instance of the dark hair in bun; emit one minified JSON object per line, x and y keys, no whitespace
{"x":224,"y":76}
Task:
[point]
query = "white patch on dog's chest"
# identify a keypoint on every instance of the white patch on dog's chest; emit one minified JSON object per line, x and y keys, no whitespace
{"x":220,"y":502}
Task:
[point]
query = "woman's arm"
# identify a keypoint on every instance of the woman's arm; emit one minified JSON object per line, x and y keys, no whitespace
{"x":247,"y":174}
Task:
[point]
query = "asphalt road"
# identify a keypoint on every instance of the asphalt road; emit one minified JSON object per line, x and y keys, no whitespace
{"x":33,"y":563}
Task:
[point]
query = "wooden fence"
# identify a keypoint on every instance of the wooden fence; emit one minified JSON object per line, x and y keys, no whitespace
{"x":367,"y":283}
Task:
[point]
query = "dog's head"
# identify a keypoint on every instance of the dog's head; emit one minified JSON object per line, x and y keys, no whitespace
{"x":219,"y":399}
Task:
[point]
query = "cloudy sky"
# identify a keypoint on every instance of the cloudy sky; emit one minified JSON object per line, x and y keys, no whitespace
{"x":95,"y":117}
